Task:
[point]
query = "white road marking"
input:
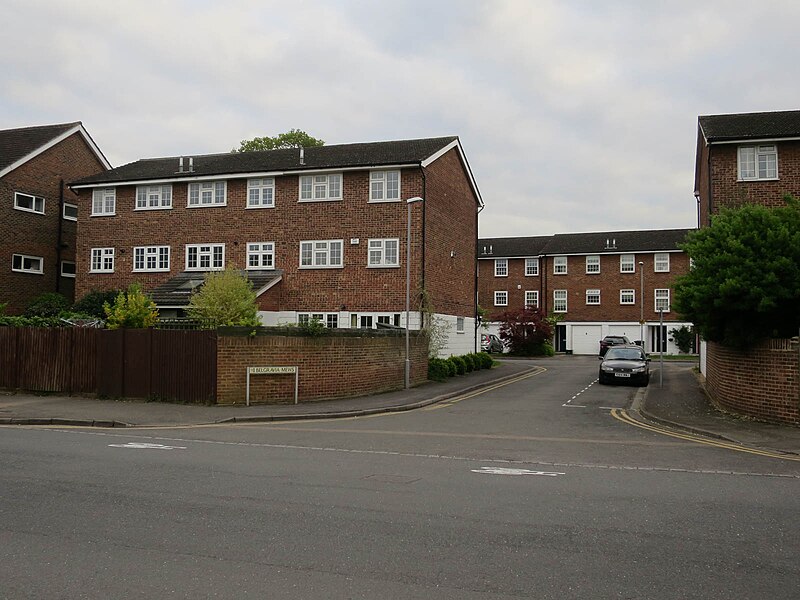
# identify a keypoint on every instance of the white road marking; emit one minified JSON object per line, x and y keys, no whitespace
{"x":506,"y":461}
{"x":567,"y":403}
{"x":144,"y":446}
{"x":504,"y":471}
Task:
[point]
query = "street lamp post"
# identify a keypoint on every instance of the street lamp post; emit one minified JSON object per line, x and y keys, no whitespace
{"x":409,"y":202}
{"x":641,"y":303}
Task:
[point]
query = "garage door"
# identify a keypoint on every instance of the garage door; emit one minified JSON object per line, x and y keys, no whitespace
{"x":632,"y":332}
{"x":586,"y":339}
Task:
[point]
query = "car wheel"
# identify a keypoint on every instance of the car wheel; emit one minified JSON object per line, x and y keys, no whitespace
{"x":600,"y":379}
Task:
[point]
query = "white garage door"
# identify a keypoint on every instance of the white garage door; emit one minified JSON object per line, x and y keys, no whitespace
{"x":586,"y":339}
{"x":632,"y":332}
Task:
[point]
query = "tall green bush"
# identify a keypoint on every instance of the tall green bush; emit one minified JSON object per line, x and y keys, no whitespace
{"x":226,"y":299}
{"x":131,"y":309}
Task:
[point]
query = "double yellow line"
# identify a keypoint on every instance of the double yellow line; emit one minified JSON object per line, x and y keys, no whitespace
{"x":625,"y":417}
{"x":450,"y":402}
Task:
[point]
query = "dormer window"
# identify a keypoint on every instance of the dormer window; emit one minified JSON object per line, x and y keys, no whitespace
{"x":758,"y":162}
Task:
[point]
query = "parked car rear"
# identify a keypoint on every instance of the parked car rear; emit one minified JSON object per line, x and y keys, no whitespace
{"x":491,"y":343}
{"x":612,"y":340}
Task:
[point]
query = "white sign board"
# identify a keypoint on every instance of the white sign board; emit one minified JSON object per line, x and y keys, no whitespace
{"x":274,"y":371}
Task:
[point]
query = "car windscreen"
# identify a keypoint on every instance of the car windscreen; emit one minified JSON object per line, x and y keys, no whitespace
{"x":624,"y":354}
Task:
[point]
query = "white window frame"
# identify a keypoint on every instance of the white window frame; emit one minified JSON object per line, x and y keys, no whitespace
{"x":501,"y":298}
{"x":329,"y":320}
{"x":155,"y":197}
{"x":321,"y":248}
{"x":201,"y":253}
{"x":22,"y":258}
{"x":501,"y":267}
{"x":33,"y":198}
{"x":624,"y":293}
{"x":531,"y":267}
{"x":560,"y":264}
{"x":147,"y":253}
{"x":104,"y":256}
{"x":664,"y":293}
{"x":261,"y":193}
{"x":559,"y":296}
{"x":627,"y":263}
{"x":753,"y":171}
{"x":532,"y":294}
{"x":64,"y":214}
{"x":591,"y":294}
{"x":314,"y":185}
{"x":592,"y":261}
{"x":460,"y":325}
{"x":378,"y":253}
{"x":201,"y":186}
{"x":74,"y":269}
{"x":104,"y":202}
{"x":379,"y":186}
{"x":661,"y":262}
{"x":260,"y":251}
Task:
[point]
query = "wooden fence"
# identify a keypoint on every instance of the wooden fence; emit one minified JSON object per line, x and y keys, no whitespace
{"x":144,"y":363}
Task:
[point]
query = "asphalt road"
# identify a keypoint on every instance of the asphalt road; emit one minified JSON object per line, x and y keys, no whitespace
{"x":531,"y":490}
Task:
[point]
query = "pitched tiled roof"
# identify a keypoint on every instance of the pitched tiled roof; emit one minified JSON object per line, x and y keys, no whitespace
{"x":750,"y":126}
{"x":508,"y":247}
{"x":584,"y":243}
{"x":16,"y":144}
{"x":320,"y":157}
{"x":178,"y":290}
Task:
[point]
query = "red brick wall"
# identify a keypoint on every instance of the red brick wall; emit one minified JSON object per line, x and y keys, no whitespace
{"x":763,"y":382}
{"x":355,"y":286}
{"x":331,"y":366}
{"x":37,"y":235}
{"x":609,"y":281}
{"x":450,"y":237}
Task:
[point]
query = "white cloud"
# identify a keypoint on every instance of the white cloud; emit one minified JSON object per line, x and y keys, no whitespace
{"x":575,"y":116}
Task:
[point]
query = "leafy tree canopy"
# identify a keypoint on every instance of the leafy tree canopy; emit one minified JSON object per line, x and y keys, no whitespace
{"x":744,"y":284}
{"x":226,"y":299}
{"x":294,"y":138}
{"x":131,"y":309}
{"x":526,"y":331}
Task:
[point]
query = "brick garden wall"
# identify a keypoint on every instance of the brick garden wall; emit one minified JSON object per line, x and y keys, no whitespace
{"x":763,"y":382}
{"x":331,"y":366}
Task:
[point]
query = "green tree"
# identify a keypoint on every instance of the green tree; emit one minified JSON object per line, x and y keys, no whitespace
{"x":294,"y":138}
{"x":226,"y":299}
{"x":131,"y":309}
{"x":744,"y":283}
{"x":93,"y":302}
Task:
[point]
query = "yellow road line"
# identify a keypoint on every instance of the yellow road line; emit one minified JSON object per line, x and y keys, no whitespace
{"x":622,"y":415}
{"x":451,"y":401}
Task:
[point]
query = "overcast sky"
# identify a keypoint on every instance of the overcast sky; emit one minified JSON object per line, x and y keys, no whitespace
{"x":574,"y":116}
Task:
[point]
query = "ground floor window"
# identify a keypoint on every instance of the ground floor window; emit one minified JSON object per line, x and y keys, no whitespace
{"x":329,"y":320}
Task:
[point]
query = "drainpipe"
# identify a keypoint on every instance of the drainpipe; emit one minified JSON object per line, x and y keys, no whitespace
{"x":477,"y":325}
{"x":424,"y":213}
{"x":60,"y":233}
{"x":710,"y":187}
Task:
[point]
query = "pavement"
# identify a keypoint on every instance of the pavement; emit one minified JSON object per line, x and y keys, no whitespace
{"x":679,"y":403}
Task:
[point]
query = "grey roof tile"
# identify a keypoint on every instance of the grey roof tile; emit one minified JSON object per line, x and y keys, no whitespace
{"x":177,"y":290}
{"x":18,"y":143}
{"x":747,"y":126}
{"x":583,"y":243}
{"x":320,"y":157}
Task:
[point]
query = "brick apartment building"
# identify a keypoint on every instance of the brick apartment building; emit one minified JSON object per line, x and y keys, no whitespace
{"x":601,"y":284}
{"x":745,"y":158}
{"x":321,"y":232}
{"x":38,"y":213}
